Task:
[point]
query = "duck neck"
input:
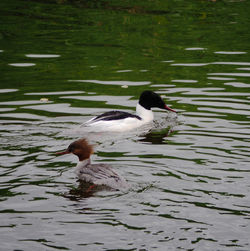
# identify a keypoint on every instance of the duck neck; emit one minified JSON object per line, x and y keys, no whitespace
{"x":83,"y":163}
{"x":81,"y":166}
{"x":145,"y":114}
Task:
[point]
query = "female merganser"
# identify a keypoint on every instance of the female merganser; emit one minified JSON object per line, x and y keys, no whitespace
{"x":97,"y":174}
{"x":123,"y":121}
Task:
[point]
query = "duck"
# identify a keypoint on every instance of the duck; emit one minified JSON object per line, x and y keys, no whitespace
{"x":95,"y":174}
{"x":120,"y":121}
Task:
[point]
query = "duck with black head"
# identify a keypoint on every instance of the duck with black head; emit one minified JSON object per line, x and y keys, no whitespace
{"x":120,"y":121}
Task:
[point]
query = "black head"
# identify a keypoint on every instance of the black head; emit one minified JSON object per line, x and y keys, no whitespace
{"x":149,"y":99}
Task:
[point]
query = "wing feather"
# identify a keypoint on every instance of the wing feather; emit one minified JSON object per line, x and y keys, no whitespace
{"x":113,"y":115}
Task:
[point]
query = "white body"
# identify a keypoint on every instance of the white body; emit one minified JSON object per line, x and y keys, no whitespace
{"x":121,"y":125}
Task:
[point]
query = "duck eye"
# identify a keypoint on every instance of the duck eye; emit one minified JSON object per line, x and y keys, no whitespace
{"x":70,"y":149}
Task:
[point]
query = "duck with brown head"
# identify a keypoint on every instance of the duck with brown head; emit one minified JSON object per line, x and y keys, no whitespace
{"x":98,"y":174}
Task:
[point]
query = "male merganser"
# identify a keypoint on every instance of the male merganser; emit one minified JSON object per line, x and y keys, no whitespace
{"x":123,"y":121}
{"x":97,"y":174}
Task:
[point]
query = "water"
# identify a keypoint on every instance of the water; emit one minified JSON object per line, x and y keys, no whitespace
{"x":63,"y":63}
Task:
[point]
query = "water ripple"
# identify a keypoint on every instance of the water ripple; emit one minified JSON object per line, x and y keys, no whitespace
{"x":42,"y":55}
{"x":118,"y":82}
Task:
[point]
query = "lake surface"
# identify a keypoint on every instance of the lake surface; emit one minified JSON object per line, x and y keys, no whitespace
{"x":63,"y":62}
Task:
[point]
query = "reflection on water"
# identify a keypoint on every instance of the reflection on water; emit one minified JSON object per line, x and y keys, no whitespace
{"x":84,"y":190}
{"x":42,"y":56}
{"x":189,"y":173}
{"x":116,"y":82}
{"x":22,"y":64}
{"x":157,"y":137}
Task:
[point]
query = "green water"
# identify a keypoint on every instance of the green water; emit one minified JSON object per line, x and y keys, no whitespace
{"x":62,"y":62}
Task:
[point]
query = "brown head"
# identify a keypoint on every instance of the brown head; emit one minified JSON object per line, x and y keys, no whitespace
{"x":80,"y":148}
